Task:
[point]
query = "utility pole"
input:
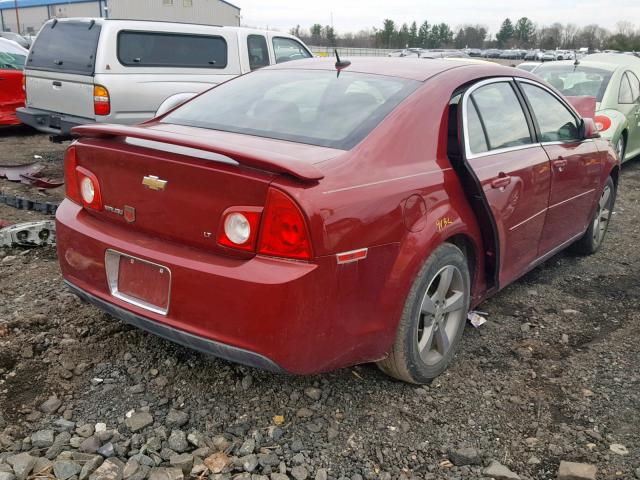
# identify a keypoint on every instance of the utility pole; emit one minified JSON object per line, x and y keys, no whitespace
{"x":15,"y":2}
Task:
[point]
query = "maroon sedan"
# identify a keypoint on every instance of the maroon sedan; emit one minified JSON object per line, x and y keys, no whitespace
{"x":305,"y":217}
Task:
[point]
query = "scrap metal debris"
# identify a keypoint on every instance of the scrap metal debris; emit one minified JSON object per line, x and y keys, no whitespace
{"x":29,"y":234}
{"x":41,"y":182}
{"x":26,"y":204}
{"x":14,"y":172}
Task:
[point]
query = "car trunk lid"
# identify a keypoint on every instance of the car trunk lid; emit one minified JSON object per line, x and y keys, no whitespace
{"x":178,"y":187}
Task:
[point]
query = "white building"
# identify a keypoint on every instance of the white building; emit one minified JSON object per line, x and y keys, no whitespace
{"x":33,"y":13}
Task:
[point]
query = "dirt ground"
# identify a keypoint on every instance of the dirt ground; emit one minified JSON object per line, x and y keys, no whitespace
{"x":553,"y":375}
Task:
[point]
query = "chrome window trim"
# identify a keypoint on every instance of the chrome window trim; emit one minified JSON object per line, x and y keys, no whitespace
{"x":112,"y":268}
{"x":465,"y":100}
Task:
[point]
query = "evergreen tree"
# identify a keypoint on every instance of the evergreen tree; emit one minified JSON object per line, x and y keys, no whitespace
{"x":506,"y":33}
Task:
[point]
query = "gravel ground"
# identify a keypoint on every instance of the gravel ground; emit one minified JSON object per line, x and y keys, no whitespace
{"x":553,"y":376}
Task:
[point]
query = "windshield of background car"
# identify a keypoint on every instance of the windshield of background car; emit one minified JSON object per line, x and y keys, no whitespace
{"x":11,"y":61}
{"x":314,"y":107}
{"x":578,"y":80}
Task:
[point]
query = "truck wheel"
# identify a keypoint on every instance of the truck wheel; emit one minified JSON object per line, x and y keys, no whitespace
{"x":594,"y":236}
{"x":433,"y":318}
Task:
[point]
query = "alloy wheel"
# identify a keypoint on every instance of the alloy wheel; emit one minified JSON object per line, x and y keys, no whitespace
{"x":601,"y":221}
{"x":442,"y":314}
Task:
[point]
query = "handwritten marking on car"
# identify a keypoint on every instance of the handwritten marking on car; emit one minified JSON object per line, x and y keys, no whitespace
{"x":443,"y":222}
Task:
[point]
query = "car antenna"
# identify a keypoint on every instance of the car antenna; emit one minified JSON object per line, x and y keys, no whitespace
{"x":340,"y":64}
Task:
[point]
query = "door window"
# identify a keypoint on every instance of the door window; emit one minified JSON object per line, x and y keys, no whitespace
{"x":625,"y":95}
{"x":495,"y":119}
{"x":287,"y":49}
{"x":554,"y":119}
{"x":258,"y":51}
{"x":156,"y":49}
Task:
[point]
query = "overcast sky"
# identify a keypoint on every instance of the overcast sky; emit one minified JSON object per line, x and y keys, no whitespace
{"x":349,"y":15}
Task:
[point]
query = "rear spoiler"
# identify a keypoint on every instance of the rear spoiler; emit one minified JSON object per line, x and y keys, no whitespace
{"x":270,"y":161}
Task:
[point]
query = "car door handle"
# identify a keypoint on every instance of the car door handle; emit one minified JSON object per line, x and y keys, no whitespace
{"x":57,"y":84}
{"x":560,"y":163}
{"x":501,"y":182}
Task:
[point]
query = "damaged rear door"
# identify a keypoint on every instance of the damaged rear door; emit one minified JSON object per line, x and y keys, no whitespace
{"x":505,"y":173}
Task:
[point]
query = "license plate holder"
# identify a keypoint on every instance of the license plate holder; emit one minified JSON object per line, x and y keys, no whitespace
{"x":139,"y":282}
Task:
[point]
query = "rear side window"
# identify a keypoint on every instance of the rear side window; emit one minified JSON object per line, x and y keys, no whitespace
{"x":635,"y":86}
{"x":625,"y":95}
{"x":156,"y":49}
{"x":555,"y":122}
{"x":501,"y":115}
{"x":258,"y":51}
{"x":313,"y":107}
{"x":66,"y":47}
{"x":287,"y":49}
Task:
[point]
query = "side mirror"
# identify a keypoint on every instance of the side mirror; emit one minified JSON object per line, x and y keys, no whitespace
{"x":588,"y":129}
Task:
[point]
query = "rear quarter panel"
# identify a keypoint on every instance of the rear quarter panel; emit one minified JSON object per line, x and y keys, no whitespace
{"x":362,"y":203}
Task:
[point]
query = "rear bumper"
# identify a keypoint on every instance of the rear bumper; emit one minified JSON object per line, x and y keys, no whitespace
{"x":51,"y":122}
{"x":195,"y":342}
{"x":279,"y":315}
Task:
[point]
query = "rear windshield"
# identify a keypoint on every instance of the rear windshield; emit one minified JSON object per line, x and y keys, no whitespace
{"x":156,"y":49}
{"x":576,"y":81}
{"x":66,"y":47}
{"x":313,"y":107}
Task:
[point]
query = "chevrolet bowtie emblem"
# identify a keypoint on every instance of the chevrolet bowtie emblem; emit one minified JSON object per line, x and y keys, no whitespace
{"x":154,"y":183}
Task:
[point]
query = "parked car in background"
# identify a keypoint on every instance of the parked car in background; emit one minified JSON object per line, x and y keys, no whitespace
{"x":565,"y":55}
{"x":613,"y":80}
{"x":12,"y":59}
{"x":363,"y":213}
{"x":513,"y":54}
{"x":548,"y":56}
{"x":492,"y":53}
{"x":120,"y":71}
{"x":474,"y":52}
{"x":528,"y":66}
{"x":406,"y":52}
{"x":443,"y":53}
{"x":533,"y":55}
{"x":14,"y":37}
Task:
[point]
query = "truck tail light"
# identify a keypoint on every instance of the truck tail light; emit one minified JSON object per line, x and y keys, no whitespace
{"x":82,"y":186}
{"x":284,"y":231}
{"x":101,"y":100}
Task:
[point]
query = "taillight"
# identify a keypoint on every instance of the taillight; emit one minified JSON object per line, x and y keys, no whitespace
{"x":89,"y":189}
{"x":101,"y":100}
{"x":70,"y":175}
{"x":284,"y":231}
{"x":239,"y":228}
{"x":24,"y":83}
{"x":602,"y":122}
{"x":82,"y":186}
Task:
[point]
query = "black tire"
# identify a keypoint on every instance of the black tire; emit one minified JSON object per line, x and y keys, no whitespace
{"x":593,"y":238}
{"x":405,"y":361}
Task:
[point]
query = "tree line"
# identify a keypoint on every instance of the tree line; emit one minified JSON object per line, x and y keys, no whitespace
{"x":523,"y":33}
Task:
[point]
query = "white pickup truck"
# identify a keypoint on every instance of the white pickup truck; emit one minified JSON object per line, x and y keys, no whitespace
{"x":85,"y":70}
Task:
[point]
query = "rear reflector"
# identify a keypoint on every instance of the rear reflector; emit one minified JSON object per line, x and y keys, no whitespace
{"x":352,"y":256}
{"x":101,"y":100}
